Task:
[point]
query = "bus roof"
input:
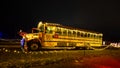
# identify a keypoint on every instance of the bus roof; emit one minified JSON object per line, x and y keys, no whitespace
{"x":70,"y":27}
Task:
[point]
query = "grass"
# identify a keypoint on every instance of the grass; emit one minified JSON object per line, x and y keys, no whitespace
{"x":18,"y":59}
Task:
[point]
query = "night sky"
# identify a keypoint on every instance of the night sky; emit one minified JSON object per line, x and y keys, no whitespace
{"x":100,"y":15}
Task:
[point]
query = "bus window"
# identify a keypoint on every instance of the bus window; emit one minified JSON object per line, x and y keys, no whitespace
{"x":97,"y":36}
{"x":78,"y":34}
{"x":88,"y":35}
{"x":49,"y":29}
{"x":91,"y":35}
{"x":85,"y":35}
{"x":69,"y":33}
{"x":58,"y":30}
{"x":82,"y":35}
{"x":64,"y":32}
{"x":100,"y":37}
{"x":94,"y":36}
{"x":74,"y":33}
{"x":41,"y":28}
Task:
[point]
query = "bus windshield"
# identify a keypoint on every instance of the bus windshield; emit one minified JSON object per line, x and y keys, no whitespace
{"x":41,"y":28}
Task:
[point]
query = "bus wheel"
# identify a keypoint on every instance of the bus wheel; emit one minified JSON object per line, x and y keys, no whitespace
{"x":34,"y":46}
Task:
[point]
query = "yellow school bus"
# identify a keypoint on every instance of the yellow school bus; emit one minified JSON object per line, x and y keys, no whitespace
{"x":57,"y":36}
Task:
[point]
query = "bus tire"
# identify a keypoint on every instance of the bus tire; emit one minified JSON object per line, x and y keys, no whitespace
{"x":34,"y":46}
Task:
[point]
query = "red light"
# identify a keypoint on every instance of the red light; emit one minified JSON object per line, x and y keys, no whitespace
{"x":55,"y":36}
{"x":22,"y":33}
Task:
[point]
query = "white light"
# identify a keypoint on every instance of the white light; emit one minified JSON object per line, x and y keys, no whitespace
{"x":61,"y":51}
{"x":51,"y":52}
{"x":39,"y":24}
{"x":6,"y":50}
{"x":30,"y":52}
{"x":25,"y":52}
{"x":76,"y":61}
{"x":18,"y":52}
{"x":3,"y":48}
{"x":46,"y":52}
{"x":20,"y":30}
{"x":15,"y":51}
{"x":41,"y":52}
{"x":36,"y":52}
{"x":55,"y":51}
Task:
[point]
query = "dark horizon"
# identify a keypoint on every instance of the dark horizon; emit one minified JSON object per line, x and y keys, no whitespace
{"x":100,"y":16}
